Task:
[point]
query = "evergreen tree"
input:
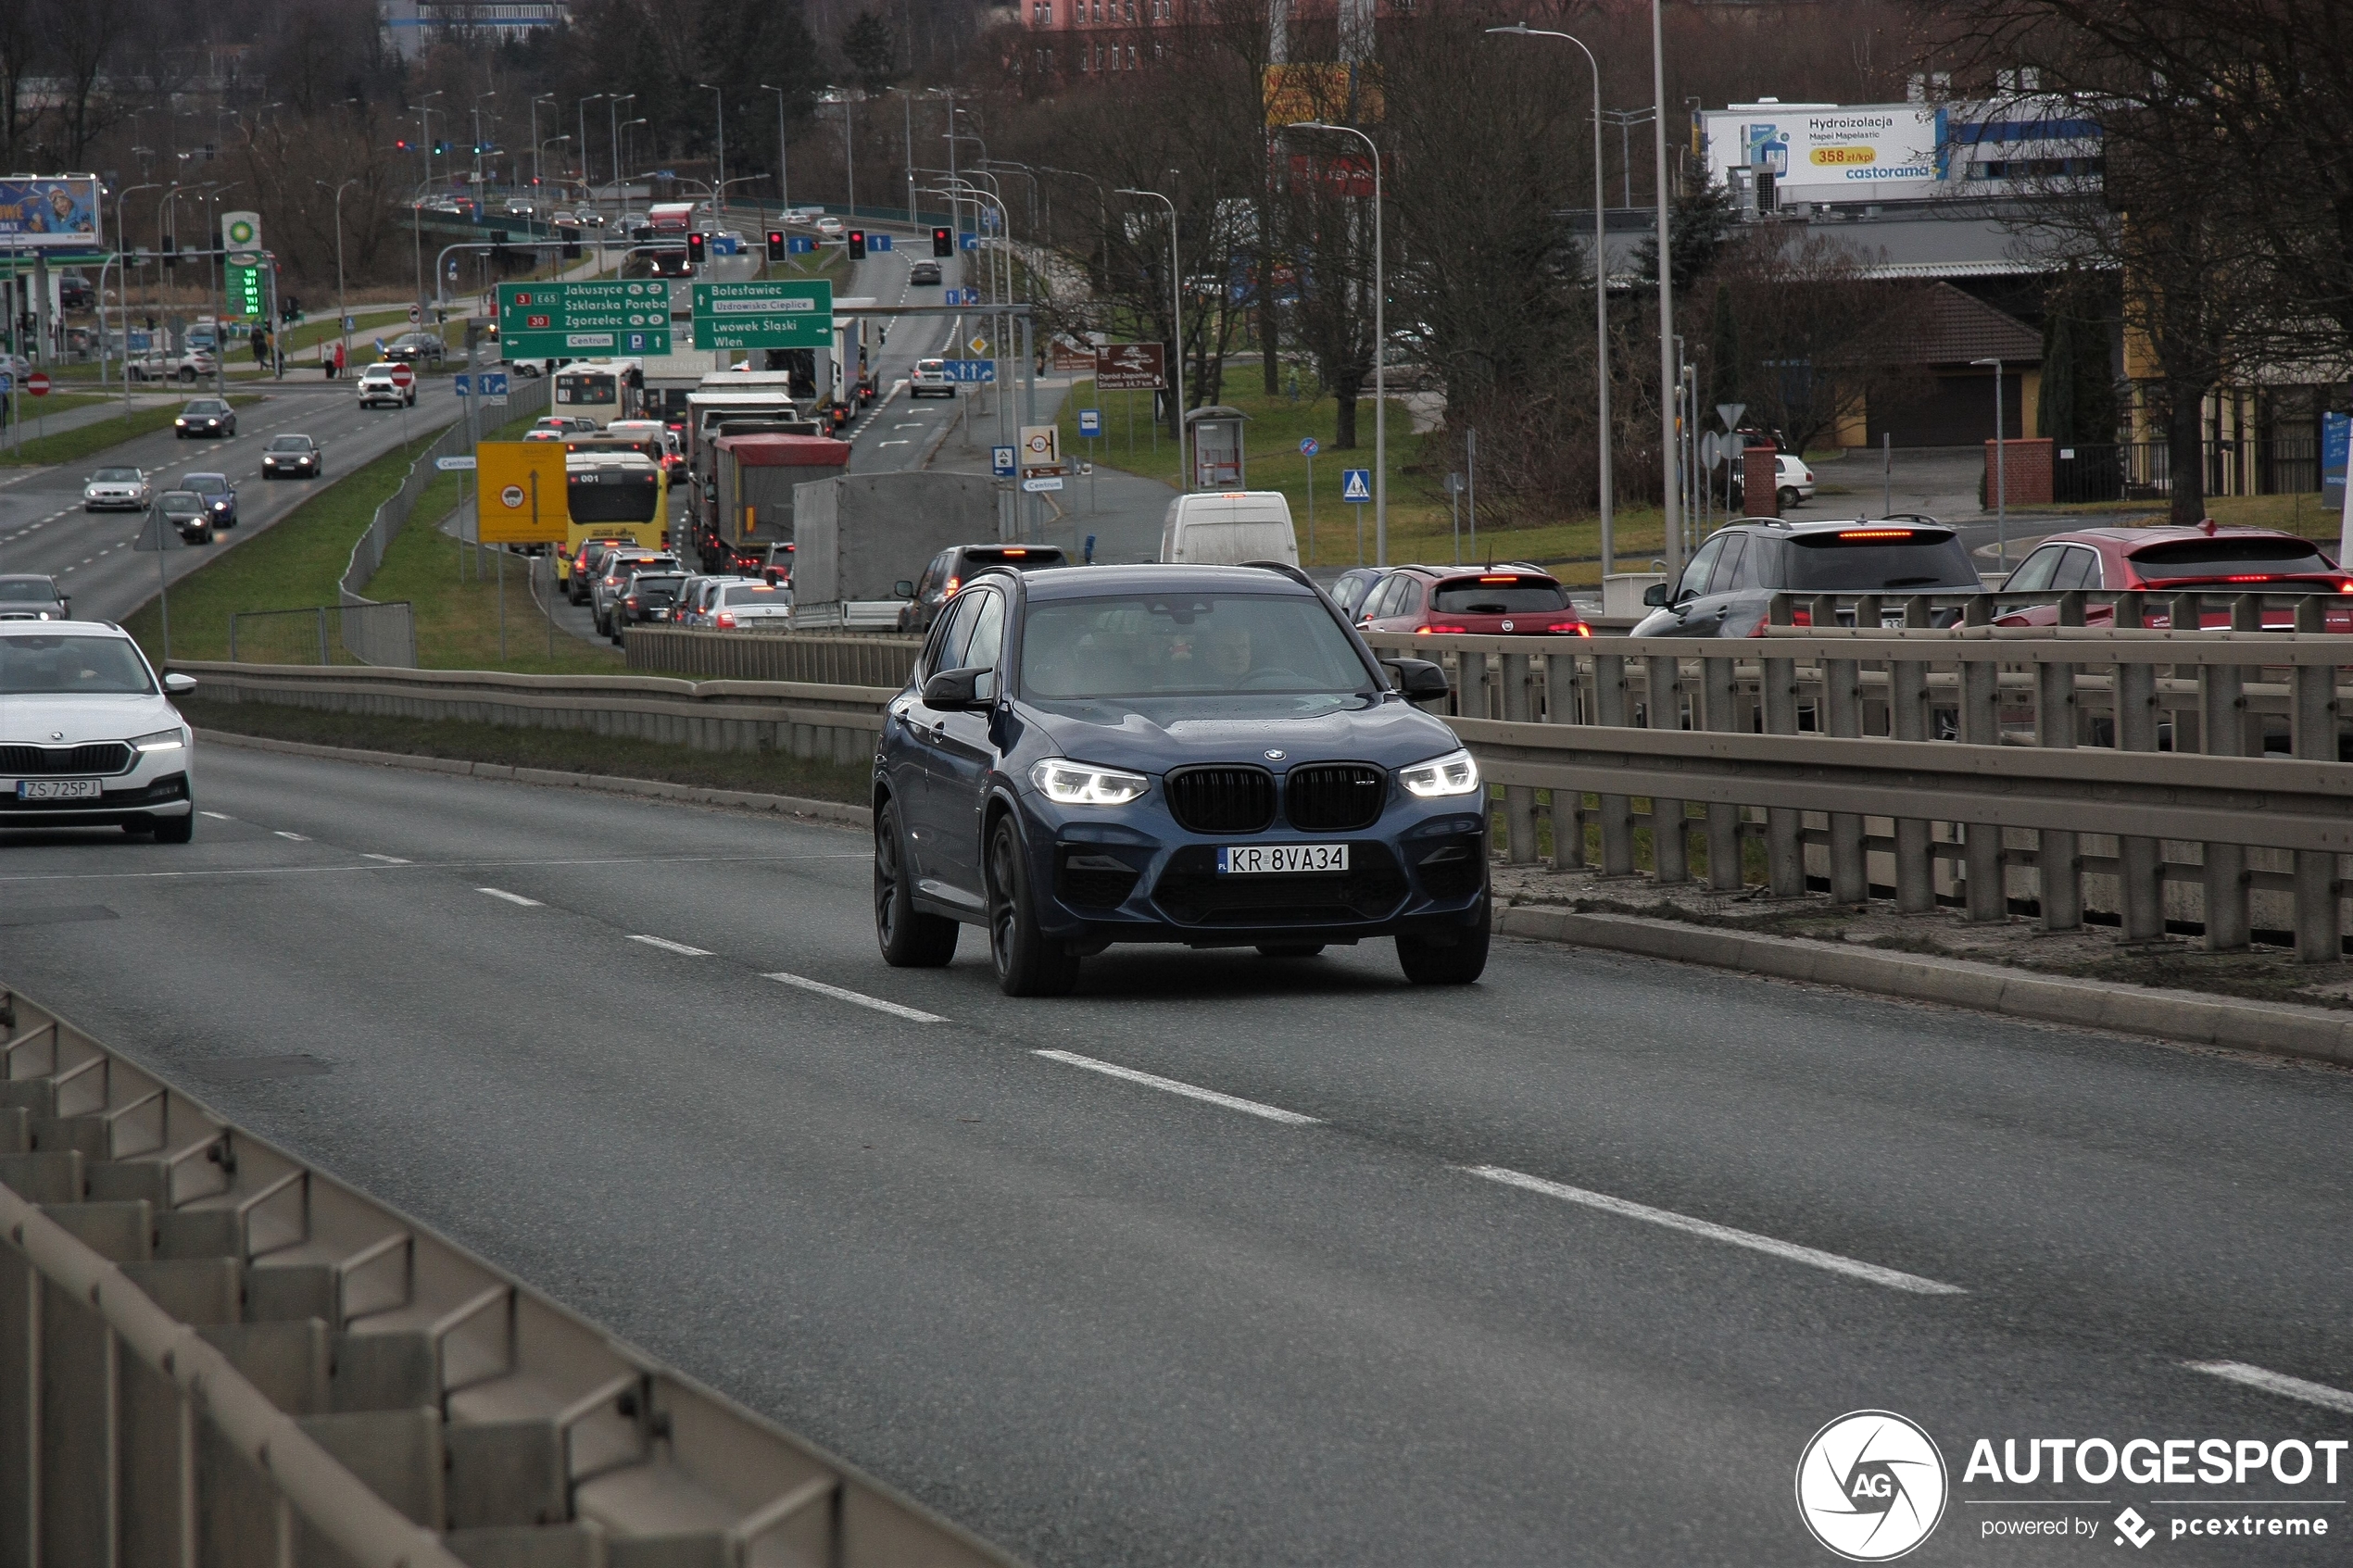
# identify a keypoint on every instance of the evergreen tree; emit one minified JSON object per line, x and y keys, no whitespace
{"x":872,"y":50}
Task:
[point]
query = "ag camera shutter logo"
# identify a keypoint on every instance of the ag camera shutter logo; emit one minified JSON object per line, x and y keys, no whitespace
{"x":1871,"y":1486}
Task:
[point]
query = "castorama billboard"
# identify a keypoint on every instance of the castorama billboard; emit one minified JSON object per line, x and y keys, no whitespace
{"x":1824,"y":153}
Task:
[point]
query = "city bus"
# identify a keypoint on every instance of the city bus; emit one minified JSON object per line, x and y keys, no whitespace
{"x":603,"y":389}
{"x":612,"y":490}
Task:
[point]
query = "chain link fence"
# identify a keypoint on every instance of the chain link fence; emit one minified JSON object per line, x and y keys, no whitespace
{"x":348,"y":634}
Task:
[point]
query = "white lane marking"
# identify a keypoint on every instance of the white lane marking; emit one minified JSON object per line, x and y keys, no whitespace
{"x":894,"y":443}
{"x":295,"y":836}
{"x":2277,"y":1383}
{"x":511,"y":898}
{"x":914,"y":1015}
{"x":218,"y":816}
{"x":1894,"y":1279}
{"x":667,"y":946}
{"x":1154,"y":1081}
{"x":387,"y":860}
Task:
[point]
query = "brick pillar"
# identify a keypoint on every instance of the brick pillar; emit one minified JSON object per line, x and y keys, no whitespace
{"x":1761,"y":482}
{"x":2027,"y":470}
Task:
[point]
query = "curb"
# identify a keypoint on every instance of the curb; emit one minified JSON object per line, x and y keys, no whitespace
{"x":2273,"y":1029}
{"x":833,"y":811}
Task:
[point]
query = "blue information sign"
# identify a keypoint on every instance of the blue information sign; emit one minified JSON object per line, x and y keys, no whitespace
{"x":1308,"y":447}
{"x":877,"y":242}
{"x":1000,"y":461}
{"x":493,"y":383}
{"x":1091,"y":421}
{"x":972,"y":369}
{"x":968,"y":242}
{"x":800,"y":244}
{"x":462,"y":384}
{"x":1356,"y":486}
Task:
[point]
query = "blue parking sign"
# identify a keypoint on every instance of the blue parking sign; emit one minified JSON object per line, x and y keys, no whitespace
{"x":1091,"y":421}
{"x":1000,"y":461}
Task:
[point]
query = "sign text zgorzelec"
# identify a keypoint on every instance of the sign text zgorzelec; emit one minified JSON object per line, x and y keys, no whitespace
{"x":764,"y":315}
{"x":542,"y":320}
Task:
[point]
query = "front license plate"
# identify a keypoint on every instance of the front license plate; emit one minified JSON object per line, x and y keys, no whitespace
{"x":1255,"y":859}
{"x":59,"y":789}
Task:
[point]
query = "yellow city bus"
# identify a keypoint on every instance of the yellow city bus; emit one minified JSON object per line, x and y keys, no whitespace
{"x":612,"y":491}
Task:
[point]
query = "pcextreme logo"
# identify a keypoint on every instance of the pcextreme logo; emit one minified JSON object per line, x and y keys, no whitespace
{"x":1871,"y":1486}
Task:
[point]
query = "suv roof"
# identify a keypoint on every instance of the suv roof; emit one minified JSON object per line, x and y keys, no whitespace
{"x":1075,"y":581}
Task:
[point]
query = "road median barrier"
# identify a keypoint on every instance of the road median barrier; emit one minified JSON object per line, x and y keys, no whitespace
{"x":211,"y":1351}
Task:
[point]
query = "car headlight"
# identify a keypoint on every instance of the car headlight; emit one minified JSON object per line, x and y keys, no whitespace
{"x":1076,"y":784}
{"x":162,"y":740}
{"x":1454,"y":773}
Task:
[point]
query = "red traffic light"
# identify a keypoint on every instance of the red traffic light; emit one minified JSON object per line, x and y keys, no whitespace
{"x":858,"y":245}
{"x":943,"y":242}
{"x":698,"y":249}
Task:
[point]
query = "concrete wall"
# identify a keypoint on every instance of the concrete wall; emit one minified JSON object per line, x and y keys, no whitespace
{"x":856,"y":535}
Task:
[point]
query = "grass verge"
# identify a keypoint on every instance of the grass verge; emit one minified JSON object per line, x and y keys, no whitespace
{"x":70,"y":445}
{"x":569,"y":751}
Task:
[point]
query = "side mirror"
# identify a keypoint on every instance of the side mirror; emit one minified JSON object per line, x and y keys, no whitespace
{"x":1655,"y":595}
{"x":177,"y":685}
{"x":955,"y":691}
{"x":1419,"y":679}
{"x":902,"y":589}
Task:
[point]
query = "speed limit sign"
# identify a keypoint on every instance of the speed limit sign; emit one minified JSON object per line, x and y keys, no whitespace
{"x":415,"y":314}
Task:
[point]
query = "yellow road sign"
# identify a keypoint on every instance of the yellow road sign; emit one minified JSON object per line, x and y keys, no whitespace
{"x":518,"y":492}
{"x":979,"y":346}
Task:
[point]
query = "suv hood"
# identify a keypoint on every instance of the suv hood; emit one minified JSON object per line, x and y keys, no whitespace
{"x":1156,"y":736}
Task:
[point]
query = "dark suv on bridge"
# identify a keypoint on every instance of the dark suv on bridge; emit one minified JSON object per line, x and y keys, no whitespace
{"x":1726,"y":590}
{"x":1194,"y":754}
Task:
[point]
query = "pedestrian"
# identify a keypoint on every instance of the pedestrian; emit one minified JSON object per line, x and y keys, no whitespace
{"x":326,"y":361}
{"x":338,"y":358}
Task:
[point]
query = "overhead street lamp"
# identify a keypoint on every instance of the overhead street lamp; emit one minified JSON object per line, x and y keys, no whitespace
{"x":612,"y":119}
{"x":783,"y":195}
{"x":1601,"y":297}
{"x":581,"y":146}
{"x":478,"y":98}
{"x":1380,"y":349}
{"x":719,"y":97}
{"x":1670,"y":496}
{"x":2001,"y":474}
{"x":1177,"y":330}
{"x":538,"y":183}
{"x":342,"y":316}
{"x":122,"y":246}
{"x":849,"y":153}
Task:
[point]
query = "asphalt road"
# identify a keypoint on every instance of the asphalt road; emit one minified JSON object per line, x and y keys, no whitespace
{"x":44,"y":529}
{"x":1104,"y":1322}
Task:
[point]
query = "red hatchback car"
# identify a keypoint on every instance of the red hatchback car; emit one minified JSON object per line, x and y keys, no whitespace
{"x":2210,"y":558}
{"x":1485,"y":601}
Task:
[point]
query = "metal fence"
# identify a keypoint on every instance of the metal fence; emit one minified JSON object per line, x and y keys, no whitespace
{"x":737,"y":656}
{"x":210,"y":1352}
{"x":2154,"y":779}
{"x":2283,"y":464}
{"x":346,"y":634}
{"x":390,"y":638}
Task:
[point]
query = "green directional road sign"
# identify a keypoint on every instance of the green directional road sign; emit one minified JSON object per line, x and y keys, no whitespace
{"x":764,"y":315}
{"x":248,"y":290}
{"x":576,"y":321}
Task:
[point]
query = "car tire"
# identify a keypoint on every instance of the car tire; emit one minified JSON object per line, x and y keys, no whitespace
{"x":1290,"y":950}
{"x":1789,"y":497}
{"x":176,"y":830}
{"x":908,"y":939}
{"x":1028,"y":963}
{"x":1427,"y":963}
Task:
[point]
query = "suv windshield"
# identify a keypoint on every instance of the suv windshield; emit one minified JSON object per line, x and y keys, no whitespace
{"x":1179,"y":643}
{"x":1865,"y":560}
{"x":50,"y":666}
{"x":1497,"y":596}
{"x":2226,"y":556}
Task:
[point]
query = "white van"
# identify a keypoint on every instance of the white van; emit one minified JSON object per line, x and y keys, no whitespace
{"x":1229,"y":527}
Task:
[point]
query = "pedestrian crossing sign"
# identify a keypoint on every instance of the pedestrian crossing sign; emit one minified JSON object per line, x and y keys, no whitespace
{"x":1356,"y":486}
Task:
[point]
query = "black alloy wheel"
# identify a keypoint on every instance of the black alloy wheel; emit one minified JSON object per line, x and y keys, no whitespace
{"x":1427,"y":963}
{"x":908,"y":939}
{"x":1027,"y":963}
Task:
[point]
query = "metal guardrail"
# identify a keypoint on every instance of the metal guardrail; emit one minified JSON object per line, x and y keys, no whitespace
{"x":211,"y":1352}
{"x":737,"y":655}
{"x":2154,"y":776}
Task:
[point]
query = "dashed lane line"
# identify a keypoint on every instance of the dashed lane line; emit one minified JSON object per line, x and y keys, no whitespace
{"x":667,"y":946}
{"x":2277,"y":1383}
{"x":1190,"y":1091}
{"x":859,"y":998}
{"x":511,"y":897}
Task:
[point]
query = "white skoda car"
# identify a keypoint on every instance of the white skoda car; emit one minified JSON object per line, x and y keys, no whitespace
{"x":88,"y":734}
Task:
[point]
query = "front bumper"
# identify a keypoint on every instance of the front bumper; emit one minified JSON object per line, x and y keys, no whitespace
{"x":113,"y":503}
{"x":128,"y":798}
{"x":1138,"y":876}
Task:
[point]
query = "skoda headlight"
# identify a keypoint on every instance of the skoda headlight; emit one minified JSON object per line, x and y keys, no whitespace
{"x":162,"y":740}
{"x":1454,"y":773}
{"x":1076,"y":784}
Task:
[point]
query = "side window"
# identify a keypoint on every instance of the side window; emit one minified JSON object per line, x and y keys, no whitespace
{"x":1411,"y":592}
{"x":1732,"y":567}
{"x":2080,"y":570}
{"x":1384,"y":595}
{"x":1701,"y":565}
{"x":949,"y":636}
{"x":988,"y":632}
{"x":2035,"y":576}
{"x":1346,"y":597}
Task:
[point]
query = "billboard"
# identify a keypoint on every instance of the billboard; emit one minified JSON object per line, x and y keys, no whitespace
{"x":60,"y":212}
{"x":1823,"y":153}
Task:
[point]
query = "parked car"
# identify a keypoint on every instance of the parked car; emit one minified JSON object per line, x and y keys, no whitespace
{"x":288,"y":456}
{"x":117,"y":489}
{"x":1727,"y":589}
{"x":29,"y":597}
{"x":74,"y":292}
{"x":205,"y":417}
{"x":1350,"y":588}
{"x":924,"y":273}
{"x":218,"y":494}
{"x":88,"y":734}
{"x":2210,"y":558}
{"x":1486,"y":602}
{"x":743,"y":606}
{"x":955,"y":566}
{"x":186,"y":366}
{"x":415,"y":348}
{"x":376,"y":388}
{"x":1080,"y":811}
{"x":611,"y":581}
{"x":1794,"y":481}
{"x":188,"y":512}
{"x":649,"y":596}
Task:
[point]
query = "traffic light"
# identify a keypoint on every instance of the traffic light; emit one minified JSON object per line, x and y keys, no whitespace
{"x":776,"y":248}
{"x":858,"y":245}
{"x":403,"y":145}
{"x":698,"y":249}
{"x":169,"y":246}
{"x":943,"y":242}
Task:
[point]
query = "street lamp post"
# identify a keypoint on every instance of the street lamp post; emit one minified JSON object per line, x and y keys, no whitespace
{"x":1601,"y":298}
{"x":123,"y":245}
{"x":2001,"y":474}
{"x":343,"y":316}
{"x":1381,"y":349}
{"x":719,"y":195}
{"x":783,"y":194}
{"x":612,"y":119}
{"x":1670,"y":499}
{"x":539,"y":174}
{"x":849,"y":150}
{"x":581,"y":146}
{"x":1177,"y":330}
{"x":417,"y":207}
{"x":478,"y":98}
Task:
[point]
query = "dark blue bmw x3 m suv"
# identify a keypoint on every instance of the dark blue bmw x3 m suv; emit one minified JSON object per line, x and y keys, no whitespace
{"x":1203,"y":755}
